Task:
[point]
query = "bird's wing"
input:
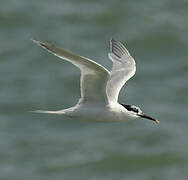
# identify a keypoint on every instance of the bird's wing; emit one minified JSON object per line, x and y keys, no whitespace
{"x":123,"y":69}
{"x":94,"y":76}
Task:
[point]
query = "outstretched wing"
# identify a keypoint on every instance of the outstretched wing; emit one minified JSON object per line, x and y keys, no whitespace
{"x":123,"y":69}
{"x":94,"y":77}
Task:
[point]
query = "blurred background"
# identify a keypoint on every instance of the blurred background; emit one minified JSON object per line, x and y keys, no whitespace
{"x":45,"y":147}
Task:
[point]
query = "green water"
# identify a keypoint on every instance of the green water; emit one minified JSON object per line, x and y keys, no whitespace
{"x":45,"y":147}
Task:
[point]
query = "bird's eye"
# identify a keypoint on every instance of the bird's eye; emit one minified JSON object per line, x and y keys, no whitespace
{"x":135,"y":110}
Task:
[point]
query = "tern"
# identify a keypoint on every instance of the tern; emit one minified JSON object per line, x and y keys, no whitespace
{"x":99,"y":87}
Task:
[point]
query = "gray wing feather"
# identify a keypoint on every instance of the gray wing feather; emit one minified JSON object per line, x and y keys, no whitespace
{"x":123,"y":69}
{"x":94,"y":76}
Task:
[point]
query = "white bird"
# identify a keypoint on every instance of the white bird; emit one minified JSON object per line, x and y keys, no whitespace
{"x":99,"y":87}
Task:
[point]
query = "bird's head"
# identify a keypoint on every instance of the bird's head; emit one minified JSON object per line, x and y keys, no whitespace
{"x":137,"y":112}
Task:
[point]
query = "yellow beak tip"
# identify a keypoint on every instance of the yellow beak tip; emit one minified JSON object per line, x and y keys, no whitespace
{"x":157,"y":121}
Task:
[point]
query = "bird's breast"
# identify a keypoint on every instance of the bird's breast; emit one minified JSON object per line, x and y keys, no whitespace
{"x":101,"y":113}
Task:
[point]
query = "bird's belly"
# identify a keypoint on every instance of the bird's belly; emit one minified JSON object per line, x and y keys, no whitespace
{"x":102,"y":114}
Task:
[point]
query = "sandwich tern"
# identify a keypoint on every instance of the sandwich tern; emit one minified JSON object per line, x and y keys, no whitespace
{"x":99,"y":87}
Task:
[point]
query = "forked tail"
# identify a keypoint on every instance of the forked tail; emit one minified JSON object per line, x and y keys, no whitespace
{"x":48,"y":112}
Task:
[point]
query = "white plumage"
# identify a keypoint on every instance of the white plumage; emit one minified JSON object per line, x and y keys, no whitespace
{"x":99,"y":87}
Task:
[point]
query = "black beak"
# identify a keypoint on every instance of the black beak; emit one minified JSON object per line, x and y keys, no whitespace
{"x":148,"y":117}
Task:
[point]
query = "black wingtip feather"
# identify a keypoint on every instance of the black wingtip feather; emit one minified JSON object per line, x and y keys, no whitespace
{"x":118,"y":48}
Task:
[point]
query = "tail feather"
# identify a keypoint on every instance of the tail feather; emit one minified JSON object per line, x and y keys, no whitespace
{"x":47,"y":112}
